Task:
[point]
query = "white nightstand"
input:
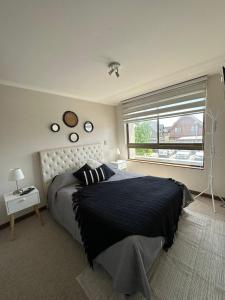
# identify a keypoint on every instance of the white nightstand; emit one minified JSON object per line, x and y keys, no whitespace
{"x":120,"y":164}
{"x":15,"y":203}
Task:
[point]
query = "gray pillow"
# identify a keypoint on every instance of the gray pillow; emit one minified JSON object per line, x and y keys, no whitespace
{"x":64,"y":179}
{"x":93,"y":163}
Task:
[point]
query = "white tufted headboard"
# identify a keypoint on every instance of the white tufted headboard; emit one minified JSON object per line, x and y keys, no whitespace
{"x":57,"y":161}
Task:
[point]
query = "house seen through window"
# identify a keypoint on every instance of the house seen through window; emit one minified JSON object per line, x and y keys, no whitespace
{"x":184,"y":133}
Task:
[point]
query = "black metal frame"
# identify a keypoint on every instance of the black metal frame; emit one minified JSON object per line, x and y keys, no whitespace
{"x":88,"y":122}
{"x":70,"y":137}
{"x":169,"y":146}
{"x":52,"y":125}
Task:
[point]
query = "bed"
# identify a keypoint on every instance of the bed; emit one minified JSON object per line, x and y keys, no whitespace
{"x":127,"y":261}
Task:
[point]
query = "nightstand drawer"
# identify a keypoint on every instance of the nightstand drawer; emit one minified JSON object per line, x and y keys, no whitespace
{"x":22,"y":202}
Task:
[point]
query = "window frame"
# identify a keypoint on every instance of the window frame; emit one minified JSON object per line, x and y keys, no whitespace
{"x":168,"y":146}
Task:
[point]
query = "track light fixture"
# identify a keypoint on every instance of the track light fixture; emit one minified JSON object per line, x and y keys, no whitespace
{"x":114,"y":68}
{"x":223,"y":75}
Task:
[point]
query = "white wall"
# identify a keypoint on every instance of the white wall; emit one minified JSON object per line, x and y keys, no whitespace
{"x":25,"y":117}
{"x":193,"y":178}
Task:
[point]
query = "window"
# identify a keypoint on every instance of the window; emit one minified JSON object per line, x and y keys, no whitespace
{"x":177,"y":130}
{"x":169,"y":130}
{"x":160,"y":140}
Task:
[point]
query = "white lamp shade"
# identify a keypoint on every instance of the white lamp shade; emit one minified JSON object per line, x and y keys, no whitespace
{"x":118,"y":151}
{"x":16,"y":174}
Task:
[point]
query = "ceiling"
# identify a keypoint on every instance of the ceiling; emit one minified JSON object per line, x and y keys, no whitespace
{"x":64,"y":47}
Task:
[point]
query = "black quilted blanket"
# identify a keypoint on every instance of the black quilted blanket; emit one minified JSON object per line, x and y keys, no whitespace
{"x":108,"y":212}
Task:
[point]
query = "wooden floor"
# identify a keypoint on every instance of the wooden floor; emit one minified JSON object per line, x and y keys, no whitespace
{"x":43,"y":262}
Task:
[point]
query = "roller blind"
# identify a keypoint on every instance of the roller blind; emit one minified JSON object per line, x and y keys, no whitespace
{"x":183,"y":98}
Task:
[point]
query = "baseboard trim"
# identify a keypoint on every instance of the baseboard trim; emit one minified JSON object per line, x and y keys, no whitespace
{"x":206,"y":195}
{"x":19,"y":219}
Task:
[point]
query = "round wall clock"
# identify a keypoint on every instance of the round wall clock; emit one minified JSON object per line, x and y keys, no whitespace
{"x":55,"y":127}
{"x":73,"y":137}
{"x":70,"y":118}
{"x":88,"y":126}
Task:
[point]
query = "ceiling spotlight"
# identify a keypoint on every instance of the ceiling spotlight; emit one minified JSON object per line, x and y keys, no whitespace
{"x":223,"y":75}
{"x":114,"y":68}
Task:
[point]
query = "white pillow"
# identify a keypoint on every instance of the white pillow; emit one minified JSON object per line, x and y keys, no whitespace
{"x":93,"y":163}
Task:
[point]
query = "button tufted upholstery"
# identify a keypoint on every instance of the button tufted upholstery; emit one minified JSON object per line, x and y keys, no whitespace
{"x":57,"y":161}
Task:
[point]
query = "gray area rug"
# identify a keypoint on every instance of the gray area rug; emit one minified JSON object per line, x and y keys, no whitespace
{"x":194,"y":268}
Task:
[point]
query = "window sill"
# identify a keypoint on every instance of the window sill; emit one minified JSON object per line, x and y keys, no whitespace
{"x":165,"y":164}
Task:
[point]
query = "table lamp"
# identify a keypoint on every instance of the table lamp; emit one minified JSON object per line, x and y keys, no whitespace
{"x":16,"y":175}
{"x":118,"y":153}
